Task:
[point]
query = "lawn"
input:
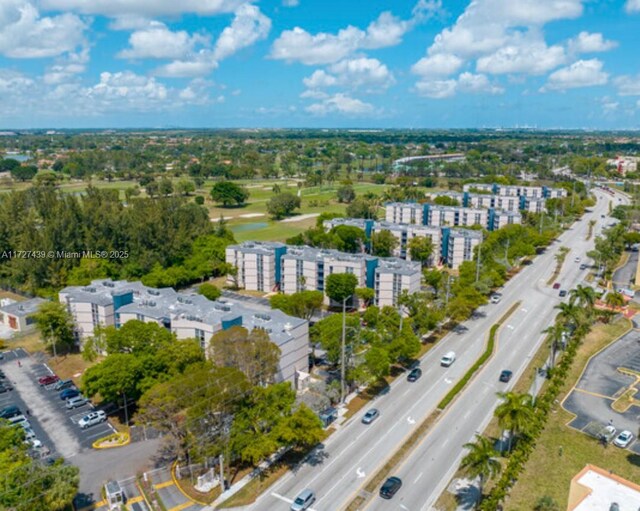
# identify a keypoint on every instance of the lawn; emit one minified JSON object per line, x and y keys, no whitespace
{"x":561,"y":451}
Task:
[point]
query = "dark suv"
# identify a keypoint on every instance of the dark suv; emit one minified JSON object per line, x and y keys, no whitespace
{"x":414,"y":374}
{"x":390,"y":487}
{"x":10,"y":411}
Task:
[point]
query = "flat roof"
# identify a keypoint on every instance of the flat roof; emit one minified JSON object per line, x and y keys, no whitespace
{"x":603,"y":489}
{"x":398,"y":266}
{"x":257,"y":247}
{"x":23,"y":308}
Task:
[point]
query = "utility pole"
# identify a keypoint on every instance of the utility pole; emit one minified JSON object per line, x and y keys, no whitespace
{"x":506,"y":252}
{"x":478,"y":262}
{"x":541,"y":220}
{"x":126,"y":412}
{"x":342,"y":350}
{"x":446,"y":298}
{"x":573,"y":191}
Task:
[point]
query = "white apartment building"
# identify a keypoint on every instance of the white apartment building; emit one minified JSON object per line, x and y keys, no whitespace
{"x":531,"y":192}
{"x":405,"y":213}
{"x":479,"y":200}
{"x":507,"y":203}
{"x":459,"y":245}
{"x":392,"y":277}
{"x":533,"y":205}
{"x":306,"y":268}
{"x":187,"y":316}
{"x":442,"y":216}
{"x":257,"y":264}
{"x":473,"y":216}
{"x":500,"y":219}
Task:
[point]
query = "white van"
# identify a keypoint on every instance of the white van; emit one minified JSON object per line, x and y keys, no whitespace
{"x":448,"y":359}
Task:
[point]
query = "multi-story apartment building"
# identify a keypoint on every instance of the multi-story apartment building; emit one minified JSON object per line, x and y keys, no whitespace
{"x":458,"y":245}
{"x":109,"y":303}
{"x":501,"y":219}
{"x":405,"y":213}
{"x":361,"y":223}
{"x":533,"y":205}
{"x":531,"y":192}
{"x":306,"y":268}
{"x":19,"y":316}
{"x":257,"y":263}
{"x":392,"y":277}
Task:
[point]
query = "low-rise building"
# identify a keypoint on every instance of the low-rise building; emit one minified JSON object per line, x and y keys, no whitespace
{"x":595,"y":489}
{"x":531,"y":192}
{"x":109,"y":303}
{"x":17,"y":316}
{"x":257,"y":263}
{"x":458,"y":245}
{"x":361,"y":223}
{"x":392,"y":277}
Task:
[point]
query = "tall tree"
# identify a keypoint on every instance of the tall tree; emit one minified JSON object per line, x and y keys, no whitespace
{"x":421,"y":249}
{"x":282,"y":205}
{"x":55,"y":326}
{"x":515,"y":413}
{"x":229,"y":193}
{"x":253,"y":353}
{"x":481,"y":460}
{"x":383,"y":243}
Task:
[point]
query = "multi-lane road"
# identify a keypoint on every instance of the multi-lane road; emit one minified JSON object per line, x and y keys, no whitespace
{"x":339,"y":471}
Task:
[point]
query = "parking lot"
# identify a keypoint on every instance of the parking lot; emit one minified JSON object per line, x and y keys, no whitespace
{"x":600,"y":385}
{"x":54,"y":425}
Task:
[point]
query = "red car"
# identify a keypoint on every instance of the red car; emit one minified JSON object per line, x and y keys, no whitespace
{"x":48,"y":380}
{"x":556,"y":285}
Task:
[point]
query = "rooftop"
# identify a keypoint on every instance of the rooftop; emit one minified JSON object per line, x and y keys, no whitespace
{"x":466,"y":233}
{"x":257,"y":247}
{"x":315,"y":254}
{"x":595,"y":489}
{"x":398,"y":266}
{"x":24,"y":308}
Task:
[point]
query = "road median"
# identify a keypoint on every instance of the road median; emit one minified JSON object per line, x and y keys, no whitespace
{"x":416,"y":436}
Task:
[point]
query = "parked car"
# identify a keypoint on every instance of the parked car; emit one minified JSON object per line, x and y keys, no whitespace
{"x":448,"y":359}
{"x":623,"y":439}
{"x":20,"y":420}
{"x":414,"y":374}
{"x":48,"y":380}
{"x":92,"y":419}
{"x":10,"y":411}
{"x":577,"y":259}
{"x":496,"y":297}
{"x":29,"y":434}
{"x":76,"y":402}
{"x":63,"y":384}
{"x":505,"y":375}
{"x":608,"y":434}
{"x":2,"y":375}
{"x":563,"y":293}
{"x":370,"y":416}
{"x":390,"y":487}
{"x":556,"y":285}
{"x":303,"y":501}
{"x":69,"y":393}
{"x":583,"y":266}
{"x":5,"y":387}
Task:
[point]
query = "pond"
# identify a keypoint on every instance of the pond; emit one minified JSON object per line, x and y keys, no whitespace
{"x":253,"y":226}
{"x":18,"y":157}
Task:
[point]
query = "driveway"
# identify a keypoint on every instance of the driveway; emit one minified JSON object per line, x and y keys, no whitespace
{"x":625,"y":277}
{"x":600,"y":385}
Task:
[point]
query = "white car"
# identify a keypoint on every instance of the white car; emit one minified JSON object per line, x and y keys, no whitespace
{"x":623,"y":439}
{"x":495,"y":298}
{"x":75,"y":402}
{"x":577,"y":259}
{"x":20,"y":420}
{"x":92,"y":419}
{"x":448,"y":359}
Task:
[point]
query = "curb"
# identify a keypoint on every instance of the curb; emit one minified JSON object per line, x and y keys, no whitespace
{"x":177,"y":484}
{"x":125,"y":436}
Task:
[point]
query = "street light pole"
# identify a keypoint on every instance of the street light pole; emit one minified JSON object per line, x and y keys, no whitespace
{"x":478,"y":262}
{"x":126,"y":413}
{"x":342,"y":349}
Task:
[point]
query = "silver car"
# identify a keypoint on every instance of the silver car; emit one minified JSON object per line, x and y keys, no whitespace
{"x":303,"y":500}
{"x":370,"y":416}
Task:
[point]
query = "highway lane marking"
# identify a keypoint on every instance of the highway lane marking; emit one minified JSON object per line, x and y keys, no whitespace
{"x":466,"y":414}
{"x":281,"y":497}
{"x":418,"y":478}
{"x":360,"y":473}
{"x":410,"y":420}
{"x":594,"y":394}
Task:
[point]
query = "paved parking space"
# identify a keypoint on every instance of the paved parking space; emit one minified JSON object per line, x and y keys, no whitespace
{"x":55,"y":425}
{"x":601,"y":383}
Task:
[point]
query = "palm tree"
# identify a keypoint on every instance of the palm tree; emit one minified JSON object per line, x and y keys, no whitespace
{"x":515,"y":413}
{"x":481,"y":460}
{"x":584,"y":296}
{"x":570,"y":313}
{"x":556,"y":332}
{"x":614,"y":299}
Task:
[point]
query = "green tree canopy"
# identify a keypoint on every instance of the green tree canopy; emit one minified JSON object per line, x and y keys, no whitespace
{"x":282,"y":205}
{"x":383,"y":243}
{"x":340,"y":286}
{"x":229,"y":193}
{"x":209,"y":291}
{"x":55,"y":325}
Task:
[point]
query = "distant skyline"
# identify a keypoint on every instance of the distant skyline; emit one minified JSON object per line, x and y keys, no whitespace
{"x":319,"y":64}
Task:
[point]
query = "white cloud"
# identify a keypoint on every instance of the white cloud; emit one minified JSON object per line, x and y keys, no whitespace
{"x":128,"y":89}
{"x":291,"y":3}
{"x":25,"y":34}
{"x":628,"y":85}
{"x":632,"y":6}
{"x":158,"y":42}
{"x":609,"y":106}
{"x":586,"y":42}
{"x":583,"y":73}
{"x":341,"y":103}
{"x":248,"y":26}
{"x":465,"y":83}
{"x":353,"y":73}
{"x":502,"y":36}
{"x":200,"y":64}
{"x":314,"y":94}
{"x":325,"y":48}
{"x":67,"y":68}
{"x":11,"y":81}
{"x":523,"y":55}
{"x":440,"y":64}
{"x":144,"y":8}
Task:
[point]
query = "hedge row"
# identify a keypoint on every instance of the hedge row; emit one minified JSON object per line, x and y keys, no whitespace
{"x":478,"y":364}
{"x":527,"y":443}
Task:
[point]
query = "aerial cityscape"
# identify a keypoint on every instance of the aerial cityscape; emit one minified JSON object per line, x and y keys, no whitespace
{"x":303,"y":255}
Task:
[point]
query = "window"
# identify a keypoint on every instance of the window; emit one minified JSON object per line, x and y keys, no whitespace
{"x":95,"y":316}
{"x":200,"y":336}
{"x":139,"y":317}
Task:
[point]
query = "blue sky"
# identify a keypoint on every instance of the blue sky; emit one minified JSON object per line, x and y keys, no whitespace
{"x":320,"y":63}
